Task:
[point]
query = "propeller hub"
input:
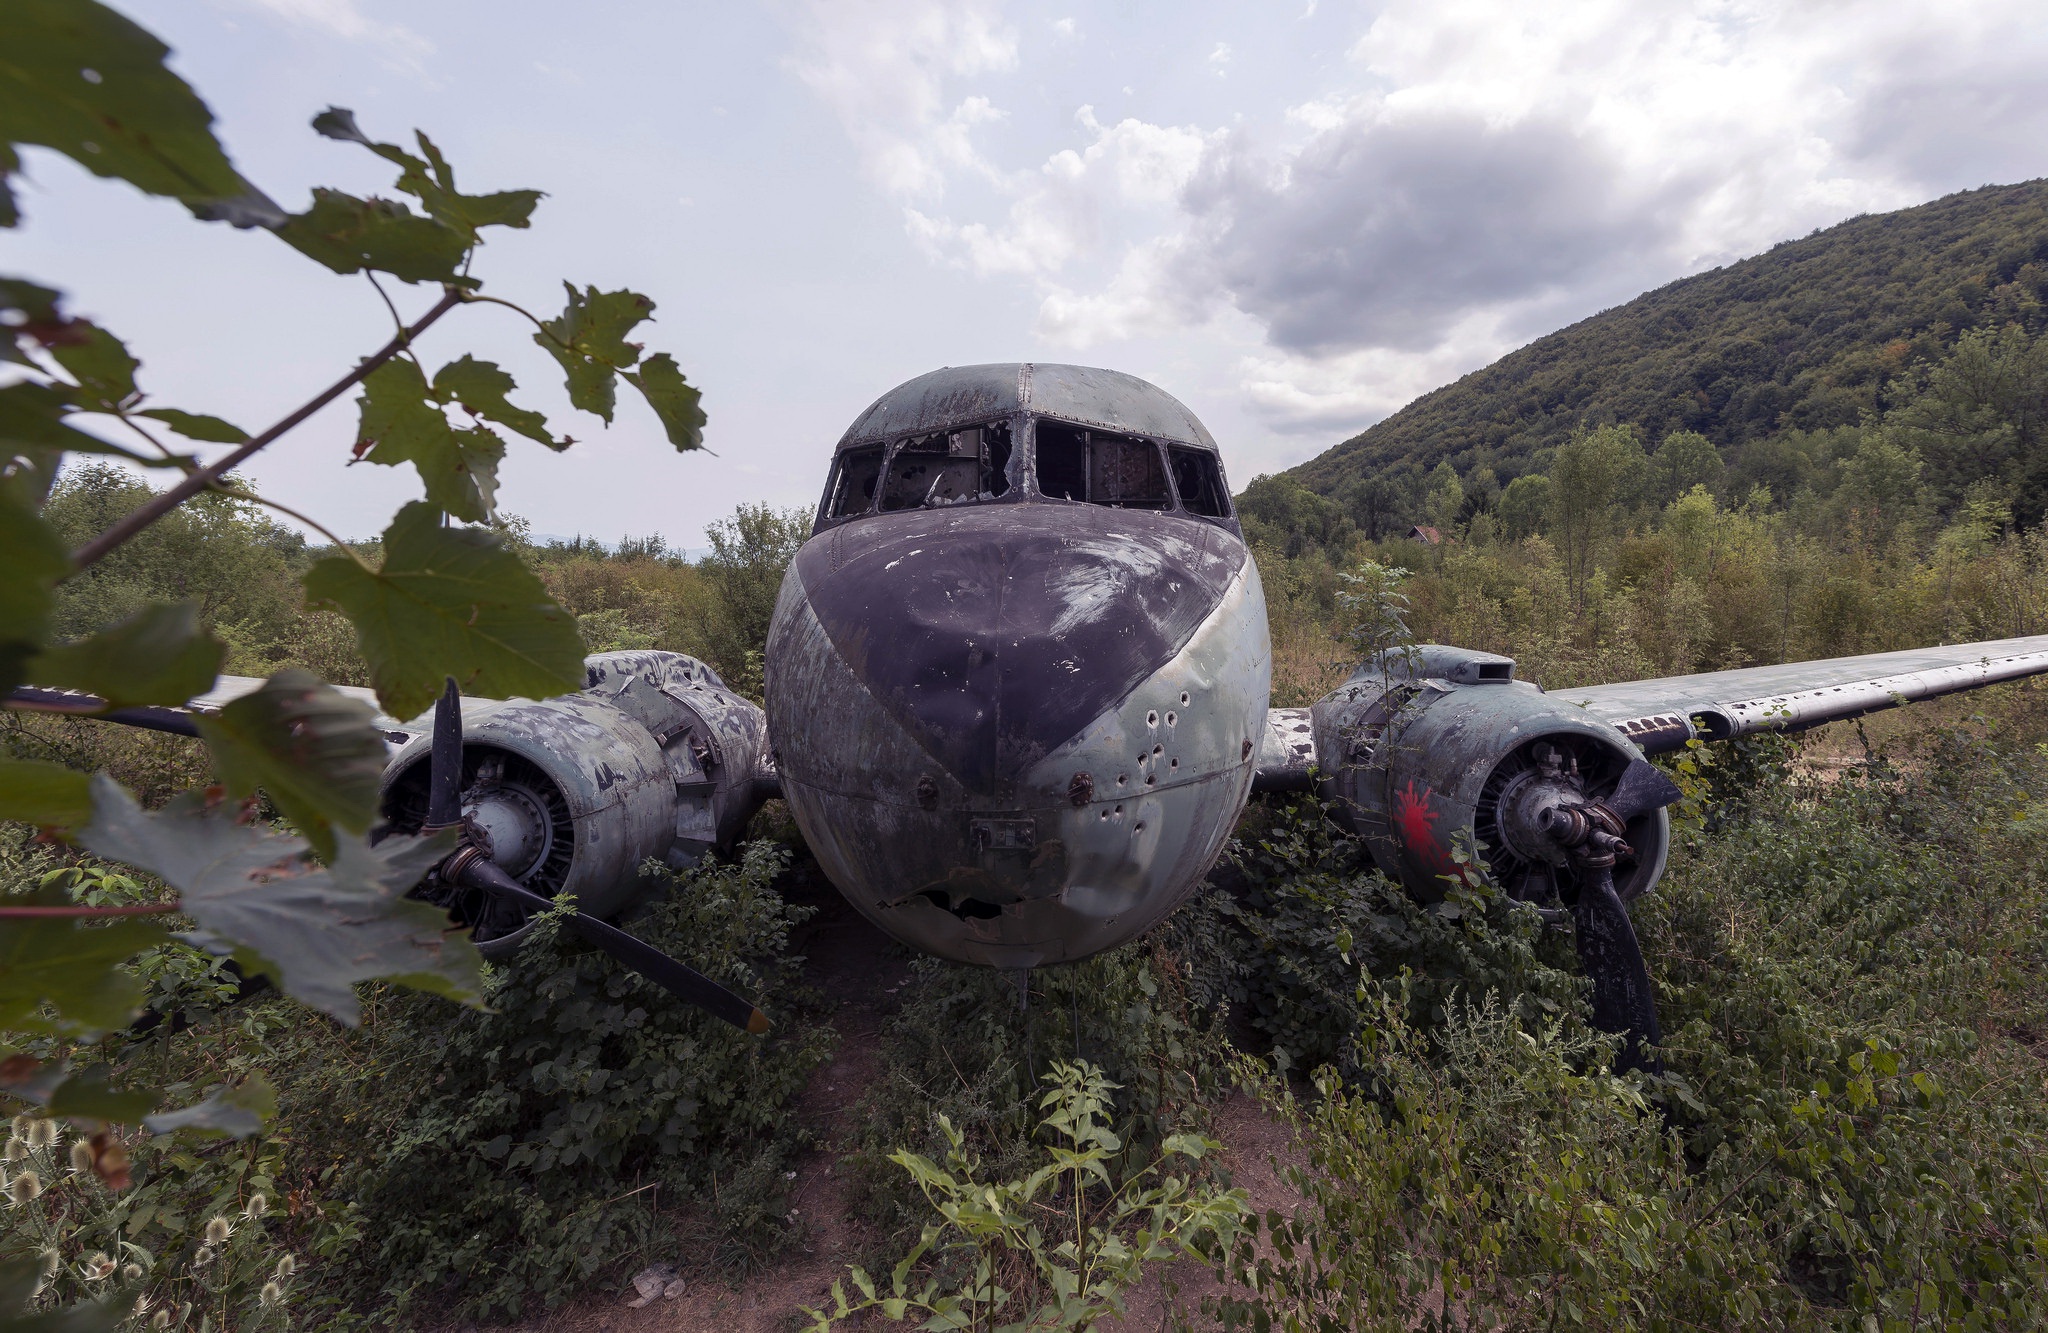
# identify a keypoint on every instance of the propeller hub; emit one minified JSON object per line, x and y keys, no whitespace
{"x":515,"y":822}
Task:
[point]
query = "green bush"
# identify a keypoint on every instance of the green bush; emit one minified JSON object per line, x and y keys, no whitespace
{"x":1065,"y":1242}
{"x":1316,"y":921}
{"x":584,"y":1118}
{"x":1851,"y":1135}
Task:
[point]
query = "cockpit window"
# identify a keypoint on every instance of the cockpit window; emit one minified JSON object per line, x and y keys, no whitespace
{"x":853,"y":482}
{"x":1100,"y":468}
{"x":945,"y":468}
{"x":1199,"y":480}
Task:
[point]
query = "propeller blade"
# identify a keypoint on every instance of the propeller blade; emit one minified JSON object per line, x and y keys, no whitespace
{"x":685,"y":983}
{"x":1623,"y":999}
{"x":1643,"y":787}
{"x":444,"y":765}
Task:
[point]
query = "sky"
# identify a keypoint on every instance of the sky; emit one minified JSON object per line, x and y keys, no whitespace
{"x":1295,"y":217}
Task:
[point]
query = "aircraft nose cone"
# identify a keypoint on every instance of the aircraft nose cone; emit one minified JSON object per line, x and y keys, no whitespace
{"x":994,"y":633}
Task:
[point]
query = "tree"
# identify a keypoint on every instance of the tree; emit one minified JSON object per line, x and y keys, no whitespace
{"x":1524,"y":506}
{"x":1446,"y":499}
{"x":1984,"y":414}
{"x":1593,"y":473}
{"x":749,"y":553}
{"x":1686,"y":459}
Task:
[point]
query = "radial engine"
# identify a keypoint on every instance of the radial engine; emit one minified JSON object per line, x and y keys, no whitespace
{"x":1532,"y":787}
{"x":656,"y":758}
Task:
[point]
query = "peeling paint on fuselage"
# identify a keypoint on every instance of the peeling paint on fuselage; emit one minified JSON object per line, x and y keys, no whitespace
{"x":1017,"y":735}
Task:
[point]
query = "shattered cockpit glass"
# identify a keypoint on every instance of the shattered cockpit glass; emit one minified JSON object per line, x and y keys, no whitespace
{"x":1069,"y":462}
{"x":922,"y":472}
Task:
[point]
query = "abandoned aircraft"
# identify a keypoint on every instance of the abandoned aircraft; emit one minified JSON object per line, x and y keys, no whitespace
{"x":1017,"y":697}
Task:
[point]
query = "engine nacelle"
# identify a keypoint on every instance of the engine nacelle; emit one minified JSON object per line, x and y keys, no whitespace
{"x":655,"y":758}
{"x":1424,"y":748}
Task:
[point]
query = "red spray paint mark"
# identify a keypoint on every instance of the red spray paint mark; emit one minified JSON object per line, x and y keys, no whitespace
{"x":1416,"y":817}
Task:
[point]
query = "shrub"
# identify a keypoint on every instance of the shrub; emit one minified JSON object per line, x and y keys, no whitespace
{"x":583,"y":1119}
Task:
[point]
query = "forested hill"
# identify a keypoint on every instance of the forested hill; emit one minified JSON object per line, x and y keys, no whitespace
{"x":1805,"y":336}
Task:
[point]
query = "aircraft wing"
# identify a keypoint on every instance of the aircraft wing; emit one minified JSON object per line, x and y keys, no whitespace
{"x":1662,"y":715}
{"x":226,"y":689}
{"x":1287,"y":752}
{"x":1657,"y":714}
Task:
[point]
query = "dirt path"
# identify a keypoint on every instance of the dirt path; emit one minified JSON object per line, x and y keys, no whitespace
{"x":863,"y":972}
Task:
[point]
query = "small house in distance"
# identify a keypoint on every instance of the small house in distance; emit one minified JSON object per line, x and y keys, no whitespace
{"x":1428,"y":536}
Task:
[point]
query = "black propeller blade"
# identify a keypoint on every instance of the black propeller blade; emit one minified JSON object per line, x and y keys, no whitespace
{"x":470,"y":868}
{"x":1591,"y":835}
{"x":1623,"y":999}
{"x":1643,"y":787}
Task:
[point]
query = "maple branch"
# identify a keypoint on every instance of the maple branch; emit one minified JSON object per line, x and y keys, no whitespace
{"x":144,"y":909}
{"x":203,"y":478}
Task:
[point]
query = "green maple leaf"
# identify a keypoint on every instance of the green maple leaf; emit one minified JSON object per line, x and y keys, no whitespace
{"x":73,"y":966}
{"x":78,"y":77}
{"x":34,"y":558}
{"x":589,"y":339}
{"x":100,"y":362}
{"x":481,"y":388}
{"x":35,"y":791}
{"x":673,"y":399}
{"x":349,"y":235}
{"x":159,"y":655}
{"x":232,"y":1110}
{"x":432,"y":181}
{"x":401,"y":423}
{"x":450,"y":602}
{"x":317,"y":930}
{"x":198,"y":426}
{"x":316,"y":751}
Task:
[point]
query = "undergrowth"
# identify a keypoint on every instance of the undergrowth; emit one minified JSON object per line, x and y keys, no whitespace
{"x":1853,"y":1130}
{"x":442,"y":1163}
{"x":963,"y":1052}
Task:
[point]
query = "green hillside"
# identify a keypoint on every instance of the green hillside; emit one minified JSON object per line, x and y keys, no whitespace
{"x":1806,"y":336}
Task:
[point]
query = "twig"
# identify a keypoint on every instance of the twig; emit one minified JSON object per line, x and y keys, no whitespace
{"x":164,"y":501}
{"x":145,"y":909}
{"x":237,"y":493}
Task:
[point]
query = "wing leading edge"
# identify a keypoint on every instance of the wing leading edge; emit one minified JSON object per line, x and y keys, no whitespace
{"x":1661,"y":715}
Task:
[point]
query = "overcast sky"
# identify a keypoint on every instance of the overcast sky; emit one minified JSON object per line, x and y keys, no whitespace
{"x":1294,"y":217}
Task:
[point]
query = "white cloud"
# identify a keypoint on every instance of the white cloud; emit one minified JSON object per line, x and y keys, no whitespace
{"x":403,"y":48}
{"x":1477,"y":171}
{"x":883,"y":67}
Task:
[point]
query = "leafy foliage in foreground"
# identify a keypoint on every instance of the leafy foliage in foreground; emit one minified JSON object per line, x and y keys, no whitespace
{"x":436,"y":1161}
{"x":324,"y":909}
{"x":1148,"y":1016}
{"x":1059,"y":1247}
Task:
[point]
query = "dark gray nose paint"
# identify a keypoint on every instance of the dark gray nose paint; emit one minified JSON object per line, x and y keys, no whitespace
{"x":994,"y":633}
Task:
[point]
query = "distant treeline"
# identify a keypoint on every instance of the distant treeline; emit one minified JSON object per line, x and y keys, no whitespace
{"x":1620,"y":554}
{"x":241,"y":567}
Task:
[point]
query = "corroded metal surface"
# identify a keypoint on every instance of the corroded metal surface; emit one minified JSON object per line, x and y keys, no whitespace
{"x":1074,"y":843}
{"x":1286,"y":751}
{"x":1799,"y":695}
{"x":966,"y":395}
{"x":993,"y":633}
{"x":1416,"y":750}
{"x":655,"y":758}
